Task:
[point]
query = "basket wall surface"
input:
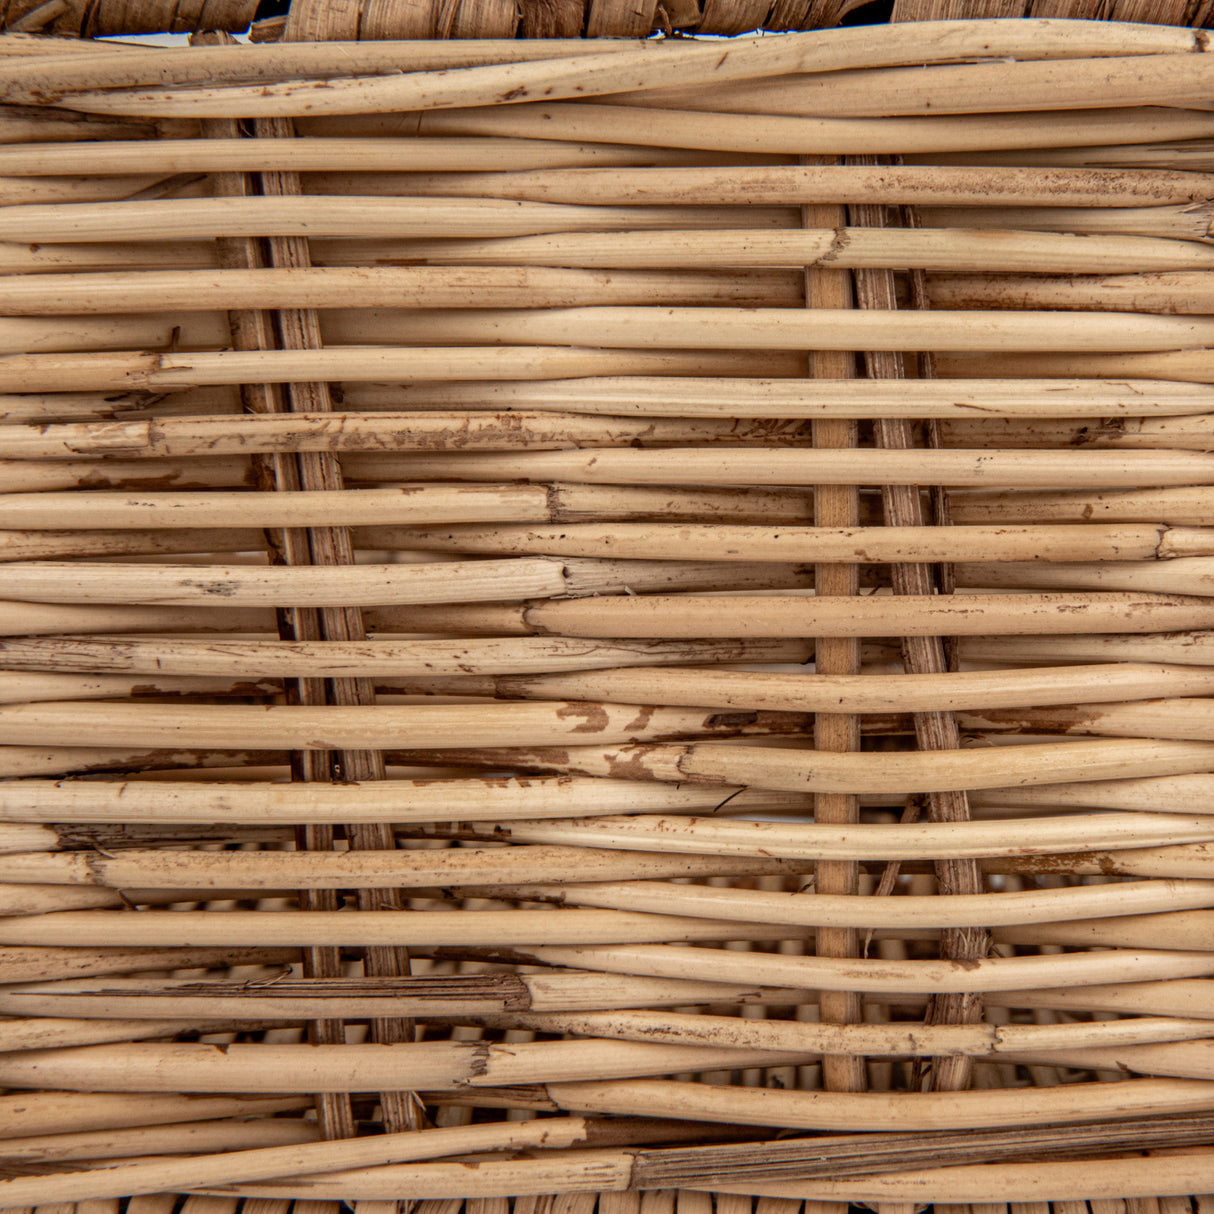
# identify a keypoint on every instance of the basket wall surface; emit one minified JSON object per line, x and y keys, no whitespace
{"x":628,"y":621}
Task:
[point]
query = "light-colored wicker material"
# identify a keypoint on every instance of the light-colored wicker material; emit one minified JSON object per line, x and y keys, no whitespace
{"x":621,"y":623}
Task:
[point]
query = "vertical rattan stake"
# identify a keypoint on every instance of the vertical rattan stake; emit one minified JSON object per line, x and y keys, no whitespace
{"x":252,"y":330}
{"x":835,"y":506}
{"x":299,"y":329}
{"x":903,"y":507}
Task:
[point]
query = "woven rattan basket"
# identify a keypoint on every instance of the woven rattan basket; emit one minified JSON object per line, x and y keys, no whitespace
{"x":624,"y":622}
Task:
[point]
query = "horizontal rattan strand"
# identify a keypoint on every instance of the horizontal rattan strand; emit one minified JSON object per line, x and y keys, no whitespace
{"x":694,"y":396}
{"x":453,"y":799}
{"x":779,"y":135}
{"x":617,"y":617}
{"x":550,"y":171}
{"x":642,"y":65}
{"x":273,"y":1160}
{"x":766,"y":1162}
{"x":515,"y":272}
{"x":1100,"y":1178}
{"x":971,"y":88}
{"x":1107,"y":686}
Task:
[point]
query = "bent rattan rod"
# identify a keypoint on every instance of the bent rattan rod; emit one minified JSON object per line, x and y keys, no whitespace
{"x":500,"y":798}
{"x":605,"y":1170}
{"x":1190,"y":507}
{"x":144,"y":1000}
{"x":25,"y":687}
{"x":38,"y":665}
{"x":373,"y":433}
{"x":1156,"y":794}
{"x":384,"y":801}
{"x":1193,"y":575}
{"x":480,"y":995}
{"x":697,"y":466}
{"x":1169,"y":930}
{"x":993,"y":974}
{"x":242,"y":729}
{"x":531,"y":668}
{"x":876,"y":976}
{"x":1161,"y":432}
{"x":192,"y":1137}
{"x":239,"y":586}
{"x":510,"y":654}
{"x":977,"y":545}
{"x":144,"y":868}
{"x":601,"y":1172}
{"x":910,"y":911}
{"x":777,"y":615}
{"x":1112,"y":49}
{"x":697,"y":835}
{"x":1188,"y":575}
{"x":166,"y":372}
{"x":714,"y":328}
{"x":133,"y":371}
{"x":614,"y":617}
{"x":459,"y":867}
{"x":519,"y":336}
{"x":664,"y":182}
{"x":319,"y":216}
{"x":548,"y":171}
{"x":986,"y":251}
{"x":379,"y":448}
{"x":45,"y":1113}
{"x":746,"y":508}
{"x":770,"y":1160}
{"x":741,"y":907}
{"x":517,"y":286}
{"x":707,"y":131}
{"x":1107,"y":686}
{"x":1173,"y":222}
{"x":584,"y":410}
{"x":148,"y":1067}
{"x":1120,"y":543}
{"x":1101,"y":1178}
{"x":1180,"y":292}
{"x":442,"y":1065}
{"x":501,"y":274}
{"x":783,"y":1036}
{"x":129,"y":1179}
{"x":693,"y":396}
{"x":675,"y":1028}
{"x":865,"y":841}
{"x":864,"y":693}
{"x":301,"y":727}
{"x":763,"y":768}
{"x":380,"y":928}
{"x":340,"y":145}
{"x":112,"y":161}
{"x":1174,"y":717}
{"x":185,"y":655}
{"x":948,"y":89}
{"x":644,"y":65}
{"x":280,"y":1156}
{"x":775,"y":134}
{"x":578,"y":577}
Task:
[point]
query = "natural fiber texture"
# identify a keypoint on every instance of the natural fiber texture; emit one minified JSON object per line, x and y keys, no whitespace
{"x":627,"y":624}
{"x":355,"y":20}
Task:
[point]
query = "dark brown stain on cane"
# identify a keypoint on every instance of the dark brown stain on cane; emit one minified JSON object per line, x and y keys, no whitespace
{"x":594,"y":716}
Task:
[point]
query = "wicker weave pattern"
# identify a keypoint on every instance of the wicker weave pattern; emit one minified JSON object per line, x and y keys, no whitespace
{"x":424,"y":506}
{"x":353,"y":20}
